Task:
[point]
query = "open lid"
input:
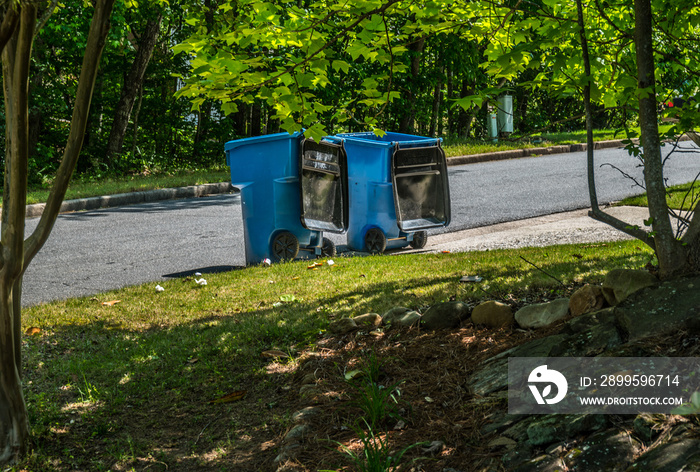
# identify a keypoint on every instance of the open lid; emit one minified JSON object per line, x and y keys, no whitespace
{"x":421,"y":187}
{"x":323,"y":178}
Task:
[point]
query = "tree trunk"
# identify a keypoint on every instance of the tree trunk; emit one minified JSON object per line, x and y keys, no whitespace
{"x":15,"y":252}
{"x":668,"y":250}
{"x":255,"y":119}
{"x":408,"y":117}
{"x":132,"y":84}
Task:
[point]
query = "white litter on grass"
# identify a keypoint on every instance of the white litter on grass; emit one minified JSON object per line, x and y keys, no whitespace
{"x":330,"y":262}
{"x":200,"y":281}
{"x":159,"y":288}
{"x":197,"y":274}
{"x":267,"y":262}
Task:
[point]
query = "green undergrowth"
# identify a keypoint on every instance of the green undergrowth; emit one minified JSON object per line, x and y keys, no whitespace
{"x":104,"y":371}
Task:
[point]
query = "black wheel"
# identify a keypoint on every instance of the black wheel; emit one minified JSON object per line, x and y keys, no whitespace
{"x":285,"y":246}
{"x":420,"y":239}
{"x":375,"y":241}
{"x":328,"y":248}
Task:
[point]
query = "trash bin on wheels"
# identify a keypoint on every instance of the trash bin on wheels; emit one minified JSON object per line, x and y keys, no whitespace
{"x":285,"y":213}
{"x":398,"y":188}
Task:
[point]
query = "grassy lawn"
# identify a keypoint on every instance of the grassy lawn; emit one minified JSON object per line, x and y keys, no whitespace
{"x":679,"y":197}
{"x":125,"y":380}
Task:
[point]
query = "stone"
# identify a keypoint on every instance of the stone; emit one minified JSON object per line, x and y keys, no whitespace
{"x":297,"y":433}
{"x":493,"y":314}
{"x":445,"y":315}
{"x":368,"y":321}
{"x":553,"y":428}
{"x":289,"y":451}
{"x":619,"y":284}
{"x":604,"y":451}
{"x":308,"y":391}
{"x":393,"y":313}
{"x":306,"y":414}
{"x":646,"y":425}
{"x":542,"y":463}
{"x":542,"y":314}
{"x":401,"y":316}
{"x":502,"y":442}
{"x":309,"y":379}
{"x":587,"y":299}
{"x":342,"y":326}
{"x":670,"y":457}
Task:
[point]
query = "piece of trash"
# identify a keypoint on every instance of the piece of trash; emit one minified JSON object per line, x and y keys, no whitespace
{"x":200,"y":281}
{"x":352,"y":374}
{"x":330,"y":262}
{"x":231,"y":397}
{"x":274,"y":353}
{"x":32,"y":330}
{"x":267,"y":262}
{"x":471,"y":278}
{"x":159,"y":288}
{"x":111,"y":303}
{"x":314,"y":265}
{"x":197,"y":274}
{"x":429,"y":400}
{"x":445,"y":252}
{"x":276,"y":304}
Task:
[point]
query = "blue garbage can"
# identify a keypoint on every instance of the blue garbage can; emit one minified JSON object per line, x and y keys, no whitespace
{"x":285,"y":214}
{"x":398,"y":188}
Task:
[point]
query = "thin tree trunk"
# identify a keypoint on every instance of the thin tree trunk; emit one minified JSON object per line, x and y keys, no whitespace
{"x":668,"y":250}
{"x":134,"y":139}
{"x":15,"y":253}
{"x":132,"y":84}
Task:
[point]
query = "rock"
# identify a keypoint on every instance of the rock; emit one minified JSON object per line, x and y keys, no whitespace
{"x":542,"y":463}
{"x":297,"y":433}
{"x":445,"y":315}
{"x":393,"y":313}
{"x":553,"y":428}
{"x":605,"y":451}
{"x":289,"y":451}
{"x":434,"y":448}
{"x":306,"y":414}
{"x":342,"y":326}
{"x":492,"y":313}
{"x":308,"y":391}
{"x":401,"y":316}
{"x":542,"y":314}
{"x":680,"y":455}
{"x":621,"y":283}
{"x":309,"y":379}
{"x":645,"y":425}
{"x":502,"y":442}
{"x":368,"y":321}
{"x":587,"y":299}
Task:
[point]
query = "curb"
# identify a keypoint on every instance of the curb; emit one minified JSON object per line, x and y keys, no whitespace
{"x":531,"y":152}
{"x":131,"y":198}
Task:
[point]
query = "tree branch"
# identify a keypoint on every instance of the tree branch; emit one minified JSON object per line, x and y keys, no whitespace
{"x":9,"y":23}
{"x":634,"y":231}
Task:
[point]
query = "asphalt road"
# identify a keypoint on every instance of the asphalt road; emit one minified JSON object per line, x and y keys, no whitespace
{"x":91,"y":252}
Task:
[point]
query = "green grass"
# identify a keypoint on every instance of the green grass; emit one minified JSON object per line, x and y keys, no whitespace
{"x":108,"y":385}
{"x":83,"y":188}
{"x":679,"y":197}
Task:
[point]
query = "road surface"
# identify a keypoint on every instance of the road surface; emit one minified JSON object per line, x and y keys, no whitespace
{"x":95,"y":251}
